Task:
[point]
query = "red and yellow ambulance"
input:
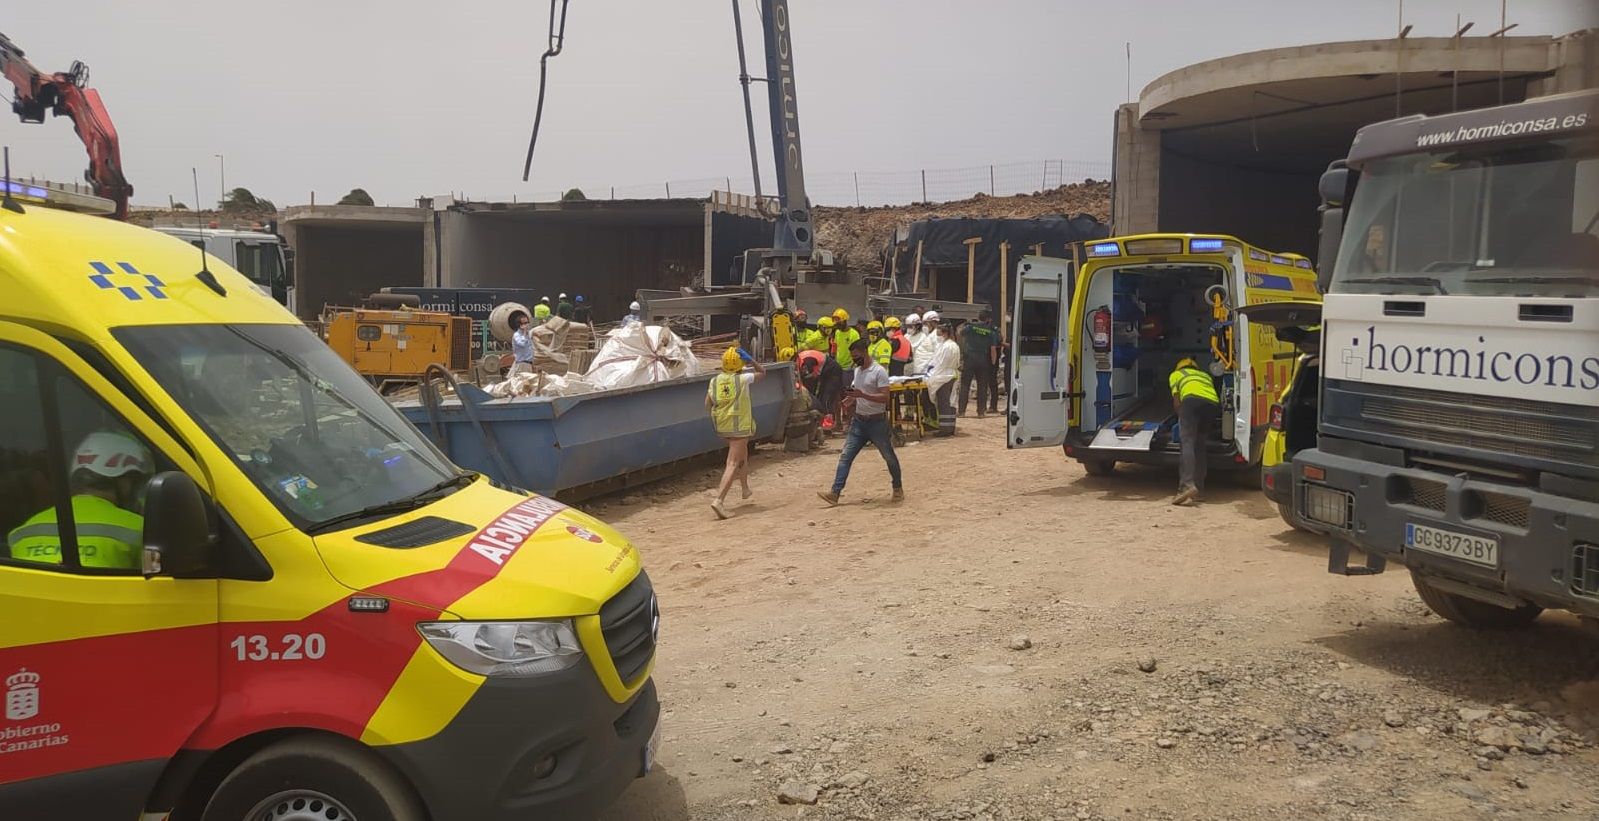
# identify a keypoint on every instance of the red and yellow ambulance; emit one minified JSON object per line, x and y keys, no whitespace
{"x":238,"y":585}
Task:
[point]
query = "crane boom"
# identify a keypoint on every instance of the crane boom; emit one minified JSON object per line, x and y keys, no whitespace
{"x":793,"y":230}
{"x":65,"y":94}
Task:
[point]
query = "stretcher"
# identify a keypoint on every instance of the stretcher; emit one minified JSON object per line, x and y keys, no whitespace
{"x":1146,"y":426}
{"x":907,"y":396}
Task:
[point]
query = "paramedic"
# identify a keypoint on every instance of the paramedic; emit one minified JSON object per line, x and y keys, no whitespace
{"x":1193,"y":396}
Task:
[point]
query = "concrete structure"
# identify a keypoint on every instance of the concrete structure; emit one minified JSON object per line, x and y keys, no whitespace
{"x":603,"y":249}
{"x":1236,"y":145}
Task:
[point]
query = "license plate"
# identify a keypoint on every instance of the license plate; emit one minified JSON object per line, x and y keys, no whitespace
{"x":651,"y":749}
{"x":1466,"y":547}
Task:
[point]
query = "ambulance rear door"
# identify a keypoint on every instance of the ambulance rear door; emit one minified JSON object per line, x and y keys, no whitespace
{"x":1040,"y":389}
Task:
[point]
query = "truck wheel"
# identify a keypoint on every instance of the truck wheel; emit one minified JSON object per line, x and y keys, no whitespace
{"x":1099,"y":467}
{"x":1470,"y":612}
{"x":318,"y":778}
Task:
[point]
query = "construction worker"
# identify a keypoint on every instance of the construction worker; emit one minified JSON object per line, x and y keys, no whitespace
{"x":808,"y":337}
{"x":1193,"y":397}
{"x":522,"y":345}
{"x":583,"y":313}
{"x":901,"y":355}
{"x":979,"y":342}
{"x":107,"y":476}
{"x":632,"y":317}
{"x":564,"y":309}
{"x":843,"y":337}
{"x":870,"y":424}
{"x":881,"y":350}
{"x":727,"y":398}
{"x":541,"y":311}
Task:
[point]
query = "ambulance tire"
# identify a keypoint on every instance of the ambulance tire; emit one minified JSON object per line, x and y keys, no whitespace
{"x":1286,"y":511}
{"x":1099,"y":467}
{"x":1468,"y":612}
{"x":311,"y":767}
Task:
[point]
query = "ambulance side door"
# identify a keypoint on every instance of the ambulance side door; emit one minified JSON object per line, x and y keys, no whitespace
{"x":1040,"y":389}
{"x":105,"y":672}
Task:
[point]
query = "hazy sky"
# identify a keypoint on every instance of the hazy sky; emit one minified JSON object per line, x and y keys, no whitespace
{"x":408,"y":98}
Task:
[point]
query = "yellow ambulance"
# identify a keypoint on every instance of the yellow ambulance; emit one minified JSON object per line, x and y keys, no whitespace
{"x":238,"y":585}
{"x":1095,"y":343}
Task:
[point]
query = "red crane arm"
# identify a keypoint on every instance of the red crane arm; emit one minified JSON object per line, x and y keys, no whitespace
{"x":65,"y":94}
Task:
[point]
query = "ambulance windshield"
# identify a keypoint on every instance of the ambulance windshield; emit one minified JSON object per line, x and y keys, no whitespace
{"x":300,"y":423}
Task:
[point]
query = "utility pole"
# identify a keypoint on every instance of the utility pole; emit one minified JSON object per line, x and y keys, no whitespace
{"x":1454,"y":73}
{"x":222,"y":175}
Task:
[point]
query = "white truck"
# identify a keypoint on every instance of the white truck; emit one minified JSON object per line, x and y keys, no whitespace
{"x":1458,"y":429}
{"x":259,"y":255}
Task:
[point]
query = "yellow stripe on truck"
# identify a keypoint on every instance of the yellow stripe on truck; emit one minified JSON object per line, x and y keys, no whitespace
{"x":427,"y":696}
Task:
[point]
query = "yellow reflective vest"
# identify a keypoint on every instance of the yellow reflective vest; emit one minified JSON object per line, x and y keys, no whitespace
{"x":108,"y":536}
{"x":730,"y":405}
{"x":883,"y":351}
{"x":1188,"y":382}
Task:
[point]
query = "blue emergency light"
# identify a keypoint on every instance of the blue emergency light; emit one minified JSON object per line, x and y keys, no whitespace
{"x":33,"y":191}
{"x":1200,"y":246}
{"x":1103,"y":249}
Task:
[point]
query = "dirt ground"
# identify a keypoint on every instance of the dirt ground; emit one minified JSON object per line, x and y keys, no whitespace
{"x":866,"y":655}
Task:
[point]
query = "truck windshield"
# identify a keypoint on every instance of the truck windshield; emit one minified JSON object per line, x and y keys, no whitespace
{"x":1511,"y":221}
{"x":261,"y":262}
{"x":301,"y":424}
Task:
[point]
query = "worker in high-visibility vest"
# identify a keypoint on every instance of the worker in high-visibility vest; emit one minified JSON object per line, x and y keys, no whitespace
{"x":900,"y":356}
{"x":107,"y":478}
{"x":881,"y":350}
{"x":1193,"y":397}
{"x":727,"y":398}
{"x":844,"y":336}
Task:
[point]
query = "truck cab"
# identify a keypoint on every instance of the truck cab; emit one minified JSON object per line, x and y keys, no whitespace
{"x":1459,"y":412}
{"x":235,"y":580}
{"x":1092,"y":377}
{"x":260,"y":256}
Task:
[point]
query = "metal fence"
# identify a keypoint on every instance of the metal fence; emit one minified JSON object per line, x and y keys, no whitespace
{"x":865,"y":187}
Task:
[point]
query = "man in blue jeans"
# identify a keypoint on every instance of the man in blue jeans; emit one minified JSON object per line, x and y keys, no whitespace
{"x":870,"y":391}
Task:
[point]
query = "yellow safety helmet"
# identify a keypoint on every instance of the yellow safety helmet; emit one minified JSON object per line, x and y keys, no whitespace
{"x":874,"y":325}
{"x":1185,"y":362}
{"x":731,"y":361}
{"x":891,"y":322}
{"x":824,"y":322}
{"x":841,"y":315}
{"x":785,"y":354}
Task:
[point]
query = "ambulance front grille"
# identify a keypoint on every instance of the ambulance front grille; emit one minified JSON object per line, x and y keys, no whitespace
{"x":631,"y":622}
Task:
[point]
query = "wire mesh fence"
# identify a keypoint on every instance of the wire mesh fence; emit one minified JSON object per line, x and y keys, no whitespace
{"x":867,"y":188}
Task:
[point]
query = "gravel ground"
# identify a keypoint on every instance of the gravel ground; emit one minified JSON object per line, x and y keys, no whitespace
{"x":1018,"y":640}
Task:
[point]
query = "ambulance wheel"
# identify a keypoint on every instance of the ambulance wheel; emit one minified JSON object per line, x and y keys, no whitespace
{"x":1470,"y":612}
{"x":301,"y":779}
{"x":1286,"y":510}
{"x":1099,"y":467}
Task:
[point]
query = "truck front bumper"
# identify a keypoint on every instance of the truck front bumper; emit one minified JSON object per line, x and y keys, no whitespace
{"x":1548,"y":544}
{"x":547,"y":747}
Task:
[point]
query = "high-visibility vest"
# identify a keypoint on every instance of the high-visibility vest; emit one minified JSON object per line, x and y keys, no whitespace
{"x":902,"y":347}
{"x":843,"y":338}
{"x":882,"y":350}
{"x":730,"y":406}
{"x":108,"y":536}
{"x":1190,"y":382}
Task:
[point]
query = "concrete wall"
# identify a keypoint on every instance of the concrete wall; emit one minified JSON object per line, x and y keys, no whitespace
{"x":605,"y":263}
{"x":1273,"y":210}
{"x":341,"y":263}
{"x":1135,"y":204}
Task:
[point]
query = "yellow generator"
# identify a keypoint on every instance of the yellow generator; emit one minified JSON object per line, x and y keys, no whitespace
{"x":391,"y":348}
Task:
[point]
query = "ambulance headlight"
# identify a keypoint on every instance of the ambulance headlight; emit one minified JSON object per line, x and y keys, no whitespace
{"x":505,"y":648}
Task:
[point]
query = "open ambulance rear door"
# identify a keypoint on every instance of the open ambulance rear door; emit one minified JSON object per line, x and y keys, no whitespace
{"x":1040,"y":387}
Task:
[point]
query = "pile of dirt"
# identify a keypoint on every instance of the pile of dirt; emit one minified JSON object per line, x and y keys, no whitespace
{"x":859,"y":235}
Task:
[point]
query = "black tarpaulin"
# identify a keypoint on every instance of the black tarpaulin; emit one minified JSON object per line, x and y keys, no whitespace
{"x":944,"y":245}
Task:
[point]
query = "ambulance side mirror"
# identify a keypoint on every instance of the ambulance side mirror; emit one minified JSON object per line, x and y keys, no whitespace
{"x":179,"y":527}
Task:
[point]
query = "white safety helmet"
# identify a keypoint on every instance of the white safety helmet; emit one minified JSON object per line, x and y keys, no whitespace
{"x":112,"y":455}
{"x":634,"y":306}
{"x":544,"y":299}
{"x":930,"y":316}
{"x":562,"y":296}
{"x":912,"y":319}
